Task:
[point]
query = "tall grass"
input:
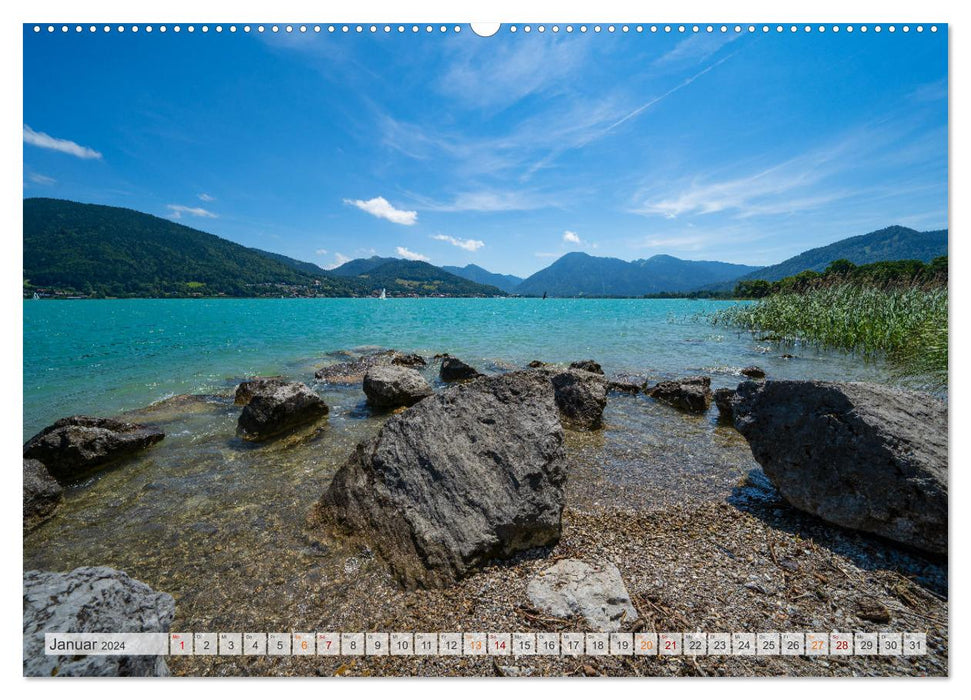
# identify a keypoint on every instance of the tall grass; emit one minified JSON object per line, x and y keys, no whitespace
{"x":906,"y":326}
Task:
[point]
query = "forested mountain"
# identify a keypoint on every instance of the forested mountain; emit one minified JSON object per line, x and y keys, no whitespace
{"x":580,"y":274}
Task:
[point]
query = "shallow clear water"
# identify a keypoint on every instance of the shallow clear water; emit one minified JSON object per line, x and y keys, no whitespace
{"x":221,"y":524}
{"x":106,"y":356}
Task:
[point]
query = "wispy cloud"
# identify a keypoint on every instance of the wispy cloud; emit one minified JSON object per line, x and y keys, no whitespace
{"x":540,"y":254}
{"x":321,"y":251}
{"x":382,"y":208}
{"x":468,"y":244}
{"x":411,"y":255}
{"x":42,"y":140}
{"x":177,"y":210}
{"x":571,"y":237}
{"x":39,"y":179}
{"x":206,"y":197}
{"x":487,"y":200}
{"x":695,"y":50}
{"x":930,"y":92}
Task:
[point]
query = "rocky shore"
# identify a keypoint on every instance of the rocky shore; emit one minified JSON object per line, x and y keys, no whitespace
{"x":457,"y":516}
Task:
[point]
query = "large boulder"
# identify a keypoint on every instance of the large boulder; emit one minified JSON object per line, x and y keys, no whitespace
{"x":392,"y":386}
{"x":863,"y":456}
{"x":91,"y":599}
{"x":278,"y":410}
{"x":469,"y":475}
{"x":258,"y":385}
{"x":42,"y":493}
{"x":596,"y":591}
{"x":587,"y":366}
{"x":74,"y":446}
{"x":581,"y":397}
{"x":691,"y":394}
{"x":454,"y":370}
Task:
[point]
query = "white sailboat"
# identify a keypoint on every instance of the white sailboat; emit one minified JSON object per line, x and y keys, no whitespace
{"x":383,"y":295}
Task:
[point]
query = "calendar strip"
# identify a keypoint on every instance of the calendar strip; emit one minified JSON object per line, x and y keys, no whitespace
{"x":351,"y":644}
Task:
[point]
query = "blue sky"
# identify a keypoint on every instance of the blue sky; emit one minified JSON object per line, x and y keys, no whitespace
{"x":506,"y":151}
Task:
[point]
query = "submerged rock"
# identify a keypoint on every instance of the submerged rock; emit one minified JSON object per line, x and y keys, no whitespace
{"x":587,"y":366}
{"x":863,"y":456}
{"x":469,"y":475}
{"x":390,"y":387}
{"x":454,"y":370}
{"x":753,"y":372}
{"x":42,"y":493}
{"x":595,"y":591}
{"x":691,"y":394}
{"x":91,"y":599}
{"x":279,"y":409}
{"x":74,"y":446}
{"x":536,"y":363}
{"x":623,"y":386}
{"x":258,"y":385}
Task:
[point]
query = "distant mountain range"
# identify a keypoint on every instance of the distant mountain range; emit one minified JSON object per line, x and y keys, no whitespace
{"x":579,"y":274}
{"x":93,"y":250}
{"x":891,"y":243}
{"x":506,"y":283}
{"x":89,"y":249}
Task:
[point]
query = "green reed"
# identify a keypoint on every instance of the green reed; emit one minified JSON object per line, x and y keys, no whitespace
{"x":907,"y":326}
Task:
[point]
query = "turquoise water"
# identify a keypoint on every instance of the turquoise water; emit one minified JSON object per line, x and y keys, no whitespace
{"x":106,"y":356}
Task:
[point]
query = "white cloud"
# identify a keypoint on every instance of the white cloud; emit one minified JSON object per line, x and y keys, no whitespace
{"x":179,"y":209}
{"x":571,"y":237}
{"x":468,"y":244}
{"x":410,"y":255}
{"x":382,"y":208}
{"x":206,"y":197}
{"x":339,"y":259}
{"x":321,"y":251}
{"x":42,"y":140}
{"x":695,"y":49}
{"x":39,"y":179}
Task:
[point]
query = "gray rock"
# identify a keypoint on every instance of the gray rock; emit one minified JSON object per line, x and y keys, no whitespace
{"x":469,"y":475}
{"x":623,"y":386}
{"x":587,"y":366}
{"x":409,"y":360}
{"x":74,"y":446}
{"x":42,"y":493}
{"x":391,"y":387}
{"x":753,"y":372}
{"x":91,"y":599}
{"x":454,"y":370}
{"x":353,"y":371}
{"x":581,"y":397}
{"x":595,"y":591}
{"x":534,"y":364}
{"x":258,"y":385}
{"x":863,"y":456}
{"x":279,"y":409}
{"x":691,"y":394}
{"x":725,"y":400}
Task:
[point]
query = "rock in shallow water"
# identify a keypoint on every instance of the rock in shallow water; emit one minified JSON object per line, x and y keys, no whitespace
{"x":42,"y":493}
{"x":91,"y":599}
{"x":595,"y":591}
{"x":725,"y":399}
{"x":278,"y":409}
{"x":74,"y":446}
{"x":863,"y":456}
{"x":454,"y":370}
{"x":587,"y":366}
{"x":581,"y":397}
{"x":258,"y":385}
{"x":391,"y":386}
{"x":466,"y":476}
{"x":691,"y":394}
